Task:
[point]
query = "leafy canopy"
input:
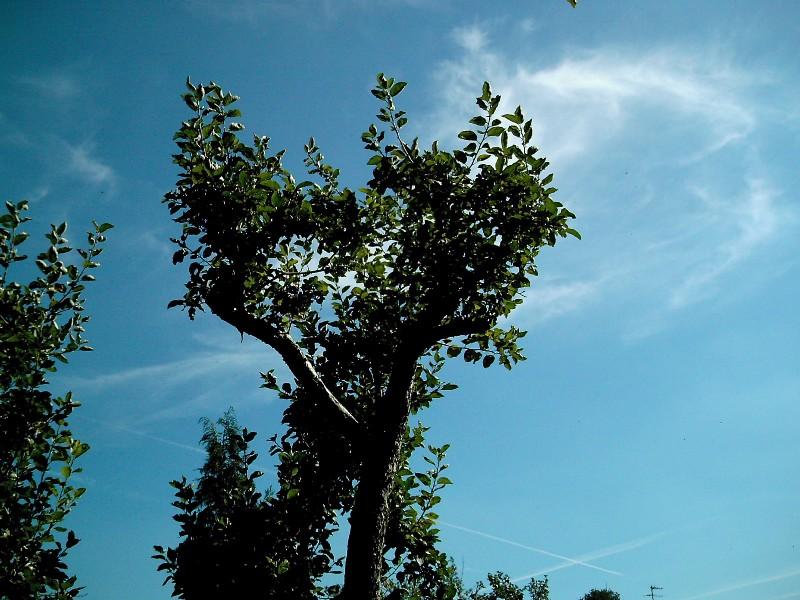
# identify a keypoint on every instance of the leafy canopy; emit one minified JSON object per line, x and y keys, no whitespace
{"x":226,"y":543}
{"x":438,"y":243}
{"x":364,"y":294}
{"x":41,"y":323}
{"x":601,"y":594}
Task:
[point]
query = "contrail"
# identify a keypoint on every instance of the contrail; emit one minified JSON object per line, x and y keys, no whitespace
{"x":749,"y":583}
{"x":144,"y":435}
{"x":789,"y":595}
{"x":570,"y":561}
{"x":159,"y":439}
{"x":602,"y":553}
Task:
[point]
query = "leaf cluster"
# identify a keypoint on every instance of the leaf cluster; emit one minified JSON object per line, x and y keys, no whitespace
{"x":415,"y":564}
{"x":438,"y":242}
{"x":500,"y":587}
{"x":41,"y":323}
{"x":601,"y":594}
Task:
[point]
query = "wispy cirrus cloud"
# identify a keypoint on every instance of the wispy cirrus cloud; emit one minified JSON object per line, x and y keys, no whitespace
{"x":585,"y":99}
{"x":204,"y":364}
{"x":61,"y":157}
{"x":83,"y":162}
{"x":254,"y":12}
{"x":699,"y":204}
{"x":754,"y":217}
{"x":77,"y":160}
{"x":471,"y":38}
{"x":54,"y":85}
{"x":64,"y":154}
{"x":550,"y":299}
{"x":217,"y":370}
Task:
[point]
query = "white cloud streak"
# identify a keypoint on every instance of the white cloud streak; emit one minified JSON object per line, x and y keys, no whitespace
{"x":584,"y":100}
{"x":255,"y":12}
{"x":146,"y":435}
{"x":219,"y":368}
{"x":795,"y":572}
{"x":681,"y":117}
{"x":754,"y":217}
{"x":472,"y":39}
{"x":547,"y":300}
{"x":56,"y":86}
{"x":570,"y":561}
{"x":594,"y":555}
{"x":83,"y":163}
{"x":173,"y":373}
{"x":783,"y":596}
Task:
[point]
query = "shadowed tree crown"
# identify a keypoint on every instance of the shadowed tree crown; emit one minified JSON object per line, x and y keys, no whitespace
{"x":42,"y":322}
{"x":604,"y":594}
{"x":364,"y":294}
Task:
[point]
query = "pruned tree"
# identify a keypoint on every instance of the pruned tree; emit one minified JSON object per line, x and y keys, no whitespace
{"x":41,"y":323}
{"x":601,"y":594}
{"x":364,"y":294}
{"x":500,"y":587}
{"x":225,"y":540}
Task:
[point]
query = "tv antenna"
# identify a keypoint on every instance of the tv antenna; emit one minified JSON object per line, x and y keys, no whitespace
{"x":652,"y":595}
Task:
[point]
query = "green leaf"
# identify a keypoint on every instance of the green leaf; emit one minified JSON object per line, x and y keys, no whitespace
{"x":495,"y":131}
{"x":468,"y":135}
{"x":514,"y":118}
{"x":397,"y":88}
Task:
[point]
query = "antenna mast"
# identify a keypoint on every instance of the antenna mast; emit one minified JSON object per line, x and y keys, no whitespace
{"x":652,"y":595}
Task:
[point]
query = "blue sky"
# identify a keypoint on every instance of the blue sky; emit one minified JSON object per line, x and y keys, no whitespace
{"x":651,"y":436}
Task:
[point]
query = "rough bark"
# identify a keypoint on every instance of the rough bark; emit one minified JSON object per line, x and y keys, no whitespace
{"x":370,"y":515}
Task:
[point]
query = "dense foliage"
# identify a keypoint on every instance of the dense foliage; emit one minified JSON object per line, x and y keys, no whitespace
{"x":601,"y":594}
{"x":227,"y":539}
{"x":500,"y":587}
{"x":41,"y":323}
{"x":364,"y":295}
{"x":226,"y":546}
{"x":233,"y":542}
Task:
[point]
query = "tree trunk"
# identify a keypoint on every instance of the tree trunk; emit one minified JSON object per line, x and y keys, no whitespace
{"x":370,"y":515}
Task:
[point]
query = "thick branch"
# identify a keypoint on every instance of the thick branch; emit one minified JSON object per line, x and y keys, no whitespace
{"x":298,"y":363}
{"x":458,"y":327}
{"x":427,"y":335}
